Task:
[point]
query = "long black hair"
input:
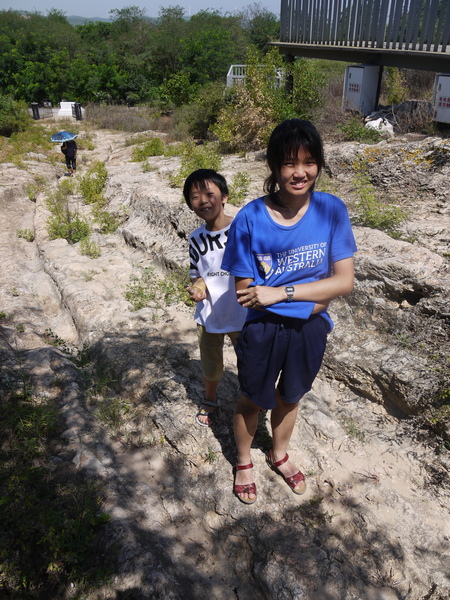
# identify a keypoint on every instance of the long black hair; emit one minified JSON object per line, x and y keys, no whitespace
{"x":284,"y":144}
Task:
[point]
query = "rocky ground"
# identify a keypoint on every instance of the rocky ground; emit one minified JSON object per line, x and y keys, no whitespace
{"x":374,"y":523}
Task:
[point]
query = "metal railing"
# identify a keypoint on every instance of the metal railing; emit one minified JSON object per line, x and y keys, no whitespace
{"x":237,"y":73}
{"x":419,"y":25}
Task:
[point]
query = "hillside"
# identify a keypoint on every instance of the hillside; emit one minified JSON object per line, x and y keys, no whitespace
{"x":76,"y":20}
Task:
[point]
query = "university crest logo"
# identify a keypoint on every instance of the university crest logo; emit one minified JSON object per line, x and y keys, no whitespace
{"x":265,"y":264}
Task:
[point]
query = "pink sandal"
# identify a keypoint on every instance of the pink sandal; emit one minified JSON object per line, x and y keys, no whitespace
{"x":248,"y":488}
{"x":293,"y":480}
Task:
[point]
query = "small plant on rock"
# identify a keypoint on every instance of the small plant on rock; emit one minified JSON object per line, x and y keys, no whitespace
{"x":352,"y":429}
{"x":92,"y":184}
{"x":63,"y":223}
{"x":67,"y":187}
{"x":150,"y":290}
{"x":140,"y":291}
{"x":35,"y":188}
{"x":89,"y":248}
{"x":107,"y":221}
{"x":238,"y":188}
{"x":147,"y":167}
{"x":373,"y":213}
{"x":26,"y":234}
{"x":113,"y":412}
{"x":211,"y":455}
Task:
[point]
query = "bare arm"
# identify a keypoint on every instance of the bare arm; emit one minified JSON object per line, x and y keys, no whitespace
{"x":242,"y":283}
{"x":321,"y":292}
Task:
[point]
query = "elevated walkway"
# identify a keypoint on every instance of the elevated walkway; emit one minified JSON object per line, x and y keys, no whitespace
{"x":412,"y":34}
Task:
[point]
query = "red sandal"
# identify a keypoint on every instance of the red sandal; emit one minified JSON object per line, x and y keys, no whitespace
{"x":248,"y":488}
{"x":293,"y":480}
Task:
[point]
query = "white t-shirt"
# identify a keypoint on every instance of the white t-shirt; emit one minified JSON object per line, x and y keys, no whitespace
{"x":220,"y":312}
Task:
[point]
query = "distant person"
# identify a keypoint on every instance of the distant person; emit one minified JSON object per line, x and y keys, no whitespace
{"x":291,"y":253}
{"x":69,"y":149}
{"x":217,"y":312}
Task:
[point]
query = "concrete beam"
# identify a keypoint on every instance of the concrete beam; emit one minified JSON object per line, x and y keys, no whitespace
{"x":406,"y":59}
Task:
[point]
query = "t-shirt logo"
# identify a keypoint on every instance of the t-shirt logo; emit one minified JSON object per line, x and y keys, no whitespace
{"x":265,"y":264}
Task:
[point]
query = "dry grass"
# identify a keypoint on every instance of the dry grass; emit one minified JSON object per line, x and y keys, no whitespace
{"x":122,"y":118}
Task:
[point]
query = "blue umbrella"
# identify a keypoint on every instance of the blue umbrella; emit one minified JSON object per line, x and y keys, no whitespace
{"x":63,"y":136}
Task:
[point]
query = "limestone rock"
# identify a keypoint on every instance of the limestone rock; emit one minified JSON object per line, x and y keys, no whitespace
{"x":374,"y":521}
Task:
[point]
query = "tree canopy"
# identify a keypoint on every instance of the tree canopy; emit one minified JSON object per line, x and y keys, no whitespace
{"x":131,"y":58}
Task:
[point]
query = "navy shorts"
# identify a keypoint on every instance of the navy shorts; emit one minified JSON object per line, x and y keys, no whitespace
{"x":273,"y":346}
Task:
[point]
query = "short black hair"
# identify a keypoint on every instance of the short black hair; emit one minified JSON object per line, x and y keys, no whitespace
{"x":285,"y":142}
{"x":199,"y":178}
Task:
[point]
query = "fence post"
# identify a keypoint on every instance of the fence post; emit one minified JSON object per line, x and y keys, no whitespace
{"x":35,"y":111}
{"x":78,"y":113}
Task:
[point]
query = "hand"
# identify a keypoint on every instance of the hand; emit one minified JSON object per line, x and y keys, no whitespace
{"x":196,"y":294}
{"x":260,"y":295}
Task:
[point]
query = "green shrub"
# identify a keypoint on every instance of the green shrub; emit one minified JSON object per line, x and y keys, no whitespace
{"x":107,"y":221}
{"x":86,"y":142}
{"x":172,"y":287}
{"x":195,"y":157}
{"x":197,"y":117}
{"x":153,"y":147}
{"x":91,"y":185}
{"x":138,"y":138}
{"x":177,"y":149}
{"x":141,"y":290}
{"x":354,"y":131}
{"x":396,"y":88}
{"x":35,"y":138}
{"x":147,"y":167}
{"x":14,"y":116}
{"x":371,"y":212}
{"x":69,"y":226}
{"x":32,"y":191}
{"x":238,"y":188}
{"x":308,"y":88}
{"x":67,"y":186}
{"x":253,"y":110}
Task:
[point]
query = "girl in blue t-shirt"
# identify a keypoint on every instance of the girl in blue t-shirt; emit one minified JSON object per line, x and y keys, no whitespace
{"x":291,"y":253}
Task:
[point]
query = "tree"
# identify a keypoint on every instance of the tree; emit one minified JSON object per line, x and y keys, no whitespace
{"x":170,"y":29}
{"x":208,"y":49}
{"x":261,"y":26}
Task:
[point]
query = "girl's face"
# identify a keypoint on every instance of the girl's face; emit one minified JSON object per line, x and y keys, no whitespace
{"x":297,"y":176}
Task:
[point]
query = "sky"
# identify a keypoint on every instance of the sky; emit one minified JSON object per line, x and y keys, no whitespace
{"x":101,"y":8}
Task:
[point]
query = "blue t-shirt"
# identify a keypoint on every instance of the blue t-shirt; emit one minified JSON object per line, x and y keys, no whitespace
{"x":277,"y":255}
